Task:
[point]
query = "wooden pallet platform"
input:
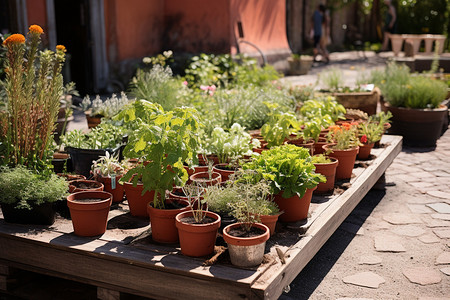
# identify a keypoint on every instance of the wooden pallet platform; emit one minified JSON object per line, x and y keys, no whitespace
{"x":125,"y":260}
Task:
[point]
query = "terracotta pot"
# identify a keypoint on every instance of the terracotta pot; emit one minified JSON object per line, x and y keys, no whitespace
{"x":76,"y":186}
{"x":177,"y":193}
{"x":136,"y":201}
{"x":318,"y":145}
{"x":117,"y":191}
{"x":302,"y":143}
{"x":162,"y":221}
{"x":203,"y":159}
{"x":364,"y":151}
{"x":294,"y":208}
{"x":246,"y":251}
{"x":346,"y":160}
{"x":223,"y":171}
{"x":329,"y":171}
{"x":202,"y":178}
{"x":71,"y":177}
{"x":89,"y":218}
{"x":270,"y":221}
{"x":197,"y":239}
{"x":93,"y":121}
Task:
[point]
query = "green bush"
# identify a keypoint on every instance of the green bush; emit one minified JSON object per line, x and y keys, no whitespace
{"x":24,"y":187}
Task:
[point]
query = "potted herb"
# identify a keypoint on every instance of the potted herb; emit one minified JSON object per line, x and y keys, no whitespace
{"x":327,"y":167}
{"x":97,"y":108}
{"x":369,"y":133}
{"x":300,"y":64}
{"x":415,"y":103}
{"x":164,"y":140}
{"x":344,"y":146}
{"x":27,"y":197}
{"x":89,"y":212}
{"x":198,"y":227}
{"x":291,"y":176}
{"x":279,"y":128}
{"x":218,"y":198}
{"x":87,"y":147}
{"x":108,"y":170}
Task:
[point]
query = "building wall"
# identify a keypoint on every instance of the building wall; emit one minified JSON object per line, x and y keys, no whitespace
{"x":197,"y":26}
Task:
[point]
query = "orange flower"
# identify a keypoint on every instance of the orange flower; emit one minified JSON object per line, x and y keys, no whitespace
{"x":36,"y":29}
{"x":61,"y":48}
{"x":334,"y":128}
{"x":14,"y":39}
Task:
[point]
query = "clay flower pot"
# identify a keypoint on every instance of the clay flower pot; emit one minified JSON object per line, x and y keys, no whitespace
{"x":197,"y":239}
{"x":329,"y":171}
{"x":346,"y":160}
{"x":115,"y":189}
{"x":89,"y":212}
{"x":81,"y":185}
{"x":294,"y":208}
{"x":246,"y":251}
{"x":225,"y":170}
{"x":163,"y":220}
{"x":136,"y":201}
{"x":270,"y":221}
{"x":364,"y":151}
{"x":203,"y":178}
{"x":319,"y":144}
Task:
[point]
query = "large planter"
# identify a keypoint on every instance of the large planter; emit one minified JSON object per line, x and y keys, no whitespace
{"x":82,"y":158}
{"x":300,"y":66}
{"x":89,"y":212}
{"x":246,"y":251}
{"x":42,"y":214}
{"x":419,"y":127}
{"x":197,"y":239}
{"x":294,"y":208}
{"x":137,"y":202}
{"x":329,"y":171}
{"x":346,"y":160}
{"x":162,"y":221}
{"x":365,"y":101}
{"x":111,"y":186}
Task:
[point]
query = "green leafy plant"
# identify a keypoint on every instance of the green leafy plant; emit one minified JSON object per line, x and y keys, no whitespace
{"x":370,"y":132}
{"x":320,"y":159}
{"x":104,"y":136}
{"x":108,"y":165}
{"x":344,"y":137}
{"x":25,"y":188}
{"x":326,"y":108}
{"x":279,"y":126}
{"x":218,"y":197}
{"x":287,"y":168}
{"x":163,"y":140}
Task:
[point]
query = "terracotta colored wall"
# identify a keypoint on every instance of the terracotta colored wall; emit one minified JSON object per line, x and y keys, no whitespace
{"x":37,"y":13}
{"x":197,"y":25}
{"x":133,"y":28}
{"x":263,"y":22}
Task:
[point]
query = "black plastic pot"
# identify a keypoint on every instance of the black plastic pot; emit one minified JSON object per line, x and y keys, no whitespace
{"x":42,"y":214}
{"x":82,"y":158}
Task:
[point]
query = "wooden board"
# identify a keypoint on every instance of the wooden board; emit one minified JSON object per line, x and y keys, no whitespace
{"x":125,"y":259}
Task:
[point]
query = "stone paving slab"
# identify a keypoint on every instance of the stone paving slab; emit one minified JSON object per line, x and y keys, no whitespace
{"x":445,"y":217}
{"x":439,"y":194}
{"x":442,"y":233}
{"x":370,"y":260}
{"x":408,"y":230}
{"x":442,"y":208}
{"x":365,"y":279}
{"x":446,"y":271}
{"x":429,"y":239}
{"x":443,"y":259}
{"x":419,"y":208}
{"x":402,"y":219}
{"x":422,"y":275}
{"x":388,"y":244}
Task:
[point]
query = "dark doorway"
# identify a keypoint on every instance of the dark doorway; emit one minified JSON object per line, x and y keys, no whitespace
{"x":73,"y":30}
{"x":8,"y":20}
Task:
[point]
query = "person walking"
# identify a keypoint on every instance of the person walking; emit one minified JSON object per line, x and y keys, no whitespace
{"x":390,"y":24}
{"x":317,"y":21}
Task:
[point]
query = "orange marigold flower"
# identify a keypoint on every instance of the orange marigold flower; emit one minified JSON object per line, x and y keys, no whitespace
{"x":334,"y":128}
{"x":14,"y":39}
{"x":346,"y":126}
{"x":61,"y":48}
{"x":36,"y":29}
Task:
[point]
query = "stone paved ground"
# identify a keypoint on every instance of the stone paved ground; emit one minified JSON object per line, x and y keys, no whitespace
{"x":403,"y":249}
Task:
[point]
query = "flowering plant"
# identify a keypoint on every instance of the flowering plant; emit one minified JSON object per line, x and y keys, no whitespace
{"x":108,"y":108}
{"x":232,"y":144}
{"x":344,"y":137}
{"x":34,"y":85}
{"x":369,"y":132}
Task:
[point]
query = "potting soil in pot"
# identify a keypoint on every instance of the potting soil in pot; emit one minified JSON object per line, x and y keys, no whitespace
{"x":239,"y":232}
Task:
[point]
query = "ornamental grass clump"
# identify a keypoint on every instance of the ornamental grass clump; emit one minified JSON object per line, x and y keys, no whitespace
{"x":34,"y":85}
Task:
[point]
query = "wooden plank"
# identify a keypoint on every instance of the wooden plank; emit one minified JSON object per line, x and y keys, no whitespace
{"x":106,"y":294}
{"x":270,"y":285}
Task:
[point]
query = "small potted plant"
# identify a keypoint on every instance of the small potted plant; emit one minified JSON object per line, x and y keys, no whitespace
{"x":369,"y":133}
{"x":87,"y":147}
{"x":27,"y":197}
{"x":279,"y":127}
{"x":344,"y":146}
{"x":198,"y":227}
{"x":290,"y":173}
{"x":300,"y":64}
{"x":327,"y":167}
{"x":84,"y":185}
{"x":108,"y":170}
{"x":218,"y":198}
{"x":97,"y":108}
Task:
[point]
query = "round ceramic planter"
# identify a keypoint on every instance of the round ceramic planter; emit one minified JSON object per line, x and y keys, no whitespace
{"x":294,"y":208}
{"x":270,"y":221}
{"x":364,"y":151}
{"x":419,"y":127}
{"x":319,"y":144}
{"x":117,"y":191}
{"x":89,"y":218}
{"x":163,"y":221}
{"x":223,"y":171}
{"x":137,"y":202}
{"x":203,"y":178}
{"x":329,"y":171}
{"x":197,"y":239}
{"x":246,"y":252}
{"x":74,"y":185}
{"x":346,"y":160}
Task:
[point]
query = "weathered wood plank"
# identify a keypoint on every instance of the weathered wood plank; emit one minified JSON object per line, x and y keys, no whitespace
{"x":105,"y":294}
{"x":270,"y":285}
